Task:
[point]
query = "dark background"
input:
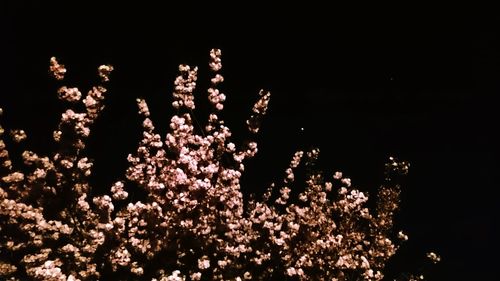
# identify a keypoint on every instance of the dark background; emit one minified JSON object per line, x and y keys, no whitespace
{"x":418,"y":82}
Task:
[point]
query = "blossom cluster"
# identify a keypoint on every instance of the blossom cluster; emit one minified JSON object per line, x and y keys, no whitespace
{"x":194,"y":223}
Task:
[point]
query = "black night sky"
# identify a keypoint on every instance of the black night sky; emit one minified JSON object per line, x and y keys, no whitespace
{"x":364,"y":84}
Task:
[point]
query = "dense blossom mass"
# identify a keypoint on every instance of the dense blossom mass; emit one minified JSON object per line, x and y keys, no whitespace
{"x":194,"y":223}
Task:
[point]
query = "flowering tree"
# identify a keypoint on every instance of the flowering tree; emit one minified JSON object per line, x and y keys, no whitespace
{"x":194,"y":223}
